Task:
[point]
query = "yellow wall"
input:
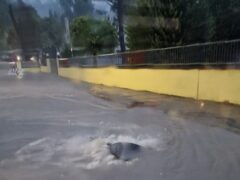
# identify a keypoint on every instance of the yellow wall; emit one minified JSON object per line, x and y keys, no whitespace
{"x":37,"y":69}
{"x":213,"y":85}
{"x":32,"y":70}
{"x":70,"y":73}
{"x":44,"y":69}
{"x":220,"y":85}
{"x":171,"y":82}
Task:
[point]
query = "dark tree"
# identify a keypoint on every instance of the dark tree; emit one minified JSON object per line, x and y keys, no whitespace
{"x":118,"y":7}
{"x":27,"y":25}
{"x":4,"y":23}
{"x":155,"y":24}
{"x":94,"y":36}
{"x":52,"y":31}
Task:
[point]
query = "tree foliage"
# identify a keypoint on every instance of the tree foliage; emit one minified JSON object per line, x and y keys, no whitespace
{"x":52,"y":31}
{"x":226,"y":15}
{"x":4,"y":23}
{"x":197,"y":21}
{"x":27,"y":25}
{"x":4,"y":15}
{"x":163,"y":23}
{"x":155,"y":24}
{"x":66,"y":52}
{"x":12,"y":39}
{"x":30,"y":30}
{"x":93,"y":36}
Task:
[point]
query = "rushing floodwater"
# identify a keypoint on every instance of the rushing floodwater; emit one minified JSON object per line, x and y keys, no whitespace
{"x":53,"y":130}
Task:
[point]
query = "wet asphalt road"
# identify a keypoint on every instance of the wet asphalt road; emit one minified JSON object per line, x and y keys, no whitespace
{"x":53,"y":129}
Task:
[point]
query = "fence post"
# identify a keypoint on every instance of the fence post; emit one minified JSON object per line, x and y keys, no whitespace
{"x":52,"y":63}
{"x":94,"y":60}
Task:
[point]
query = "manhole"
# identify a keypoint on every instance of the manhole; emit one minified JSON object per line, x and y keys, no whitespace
{"x":125,"y":151}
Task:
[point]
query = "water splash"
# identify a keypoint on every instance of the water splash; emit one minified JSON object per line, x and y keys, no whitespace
{"x":84,"y":152}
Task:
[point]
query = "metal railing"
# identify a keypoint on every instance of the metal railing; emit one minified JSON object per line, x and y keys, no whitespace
{"x":214,"y":53}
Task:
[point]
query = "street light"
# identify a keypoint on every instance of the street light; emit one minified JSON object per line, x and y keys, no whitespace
{"x":19,"y":58}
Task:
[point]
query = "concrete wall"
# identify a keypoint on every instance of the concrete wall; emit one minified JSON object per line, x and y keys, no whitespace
{"x":213,"y":85}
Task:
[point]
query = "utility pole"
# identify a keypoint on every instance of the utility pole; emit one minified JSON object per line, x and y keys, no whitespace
{"x":120,"y":25}
{"x":117,"y":6}
{"x":68,"y":35}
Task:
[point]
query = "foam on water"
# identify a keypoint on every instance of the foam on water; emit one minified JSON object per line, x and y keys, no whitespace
{"x":38,"y":151}
{"x":83,"y":152}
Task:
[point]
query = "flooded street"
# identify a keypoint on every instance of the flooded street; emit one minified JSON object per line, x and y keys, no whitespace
{"x":53,"y":129}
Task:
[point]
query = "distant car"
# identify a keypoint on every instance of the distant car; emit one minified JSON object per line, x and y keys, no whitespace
{"x":5,"y":57}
